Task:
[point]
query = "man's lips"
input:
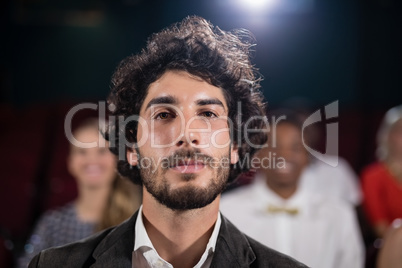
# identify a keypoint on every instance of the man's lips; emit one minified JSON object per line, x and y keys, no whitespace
{"x":189,"y":166}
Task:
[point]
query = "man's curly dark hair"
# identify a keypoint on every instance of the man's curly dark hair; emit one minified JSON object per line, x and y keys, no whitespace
{"x":195,"y":46}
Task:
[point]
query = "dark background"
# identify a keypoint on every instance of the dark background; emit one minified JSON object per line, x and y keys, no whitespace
{"x":324,"y":50}
{"x":54,"y":54}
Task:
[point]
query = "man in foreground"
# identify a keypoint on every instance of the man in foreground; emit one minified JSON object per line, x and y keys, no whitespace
{"x":185,"y":101}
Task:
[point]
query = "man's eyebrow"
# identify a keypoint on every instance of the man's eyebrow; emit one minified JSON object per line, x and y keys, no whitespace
{"x":212,"y":101}
{"x":162,"y":100}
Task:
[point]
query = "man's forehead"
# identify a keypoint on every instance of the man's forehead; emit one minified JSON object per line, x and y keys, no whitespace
{"x":178,"y":87}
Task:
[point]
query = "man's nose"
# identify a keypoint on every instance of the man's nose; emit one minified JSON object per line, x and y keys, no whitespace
{"x":192,"y":136}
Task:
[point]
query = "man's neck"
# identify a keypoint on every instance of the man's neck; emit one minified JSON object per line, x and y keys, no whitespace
{"x":284,"y":191}
{"x":182,"y":235}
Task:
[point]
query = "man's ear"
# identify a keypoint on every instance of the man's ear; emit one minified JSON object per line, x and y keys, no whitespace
{"x":132,"y":157}
{"x":234,"y":154}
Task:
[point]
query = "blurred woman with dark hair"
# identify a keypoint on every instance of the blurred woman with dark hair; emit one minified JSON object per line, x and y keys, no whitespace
{"x":104,"y":198}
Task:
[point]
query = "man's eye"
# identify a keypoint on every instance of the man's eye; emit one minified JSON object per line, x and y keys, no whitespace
{"x":208,"y":114}
{"x":163,"y":115}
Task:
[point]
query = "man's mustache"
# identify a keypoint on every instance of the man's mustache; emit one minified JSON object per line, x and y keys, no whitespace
{"x":185,"y":156}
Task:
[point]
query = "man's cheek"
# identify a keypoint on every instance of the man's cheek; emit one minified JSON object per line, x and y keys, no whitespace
{"x":220,"y":138}
{"x":164,"y":137}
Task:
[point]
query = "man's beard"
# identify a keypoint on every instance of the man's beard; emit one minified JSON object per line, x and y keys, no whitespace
{"x":189,"y":196}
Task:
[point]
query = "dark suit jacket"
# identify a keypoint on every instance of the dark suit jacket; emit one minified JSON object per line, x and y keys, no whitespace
{"x":113,"y":248}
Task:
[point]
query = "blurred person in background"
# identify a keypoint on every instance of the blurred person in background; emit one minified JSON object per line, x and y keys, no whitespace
{"x":382,"y":181}
{"x":390,"y":255}
{"x":340,"y":181}
{"x":280,"y":212}
{"x":104,"y":198}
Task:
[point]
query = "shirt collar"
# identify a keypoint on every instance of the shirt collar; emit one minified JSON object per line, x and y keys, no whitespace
{"x":142,"y":239}
{"x":214,"y":236}
{"x":299,"y":199}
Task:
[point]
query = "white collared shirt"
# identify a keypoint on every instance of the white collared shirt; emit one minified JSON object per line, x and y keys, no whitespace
{"x":145,"y":254}
{"x":324,"y":233}
{"x":340,"y":181}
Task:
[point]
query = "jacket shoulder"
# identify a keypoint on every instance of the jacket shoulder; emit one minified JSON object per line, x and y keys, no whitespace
{"x":235,"y":249}
{"x":86,"y":252}
{"x":77,"y":254}
{"x":267,"y":257}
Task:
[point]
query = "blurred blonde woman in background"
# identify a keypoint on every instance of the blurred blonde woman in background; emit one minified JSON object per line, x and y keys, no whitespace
{"x":104,"y":198}
{"x":382,"y":181}
{"x":382,"y":188}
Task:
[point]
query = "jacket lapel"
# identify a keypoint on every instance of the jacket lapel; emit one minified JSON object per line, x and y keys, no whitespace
{"x":116,"y":249}
{"x":232,"y":248}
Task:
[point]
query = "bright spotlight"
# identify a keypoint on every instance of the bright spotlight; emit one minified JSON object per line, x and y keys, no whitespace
{"x":256,"y":5}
